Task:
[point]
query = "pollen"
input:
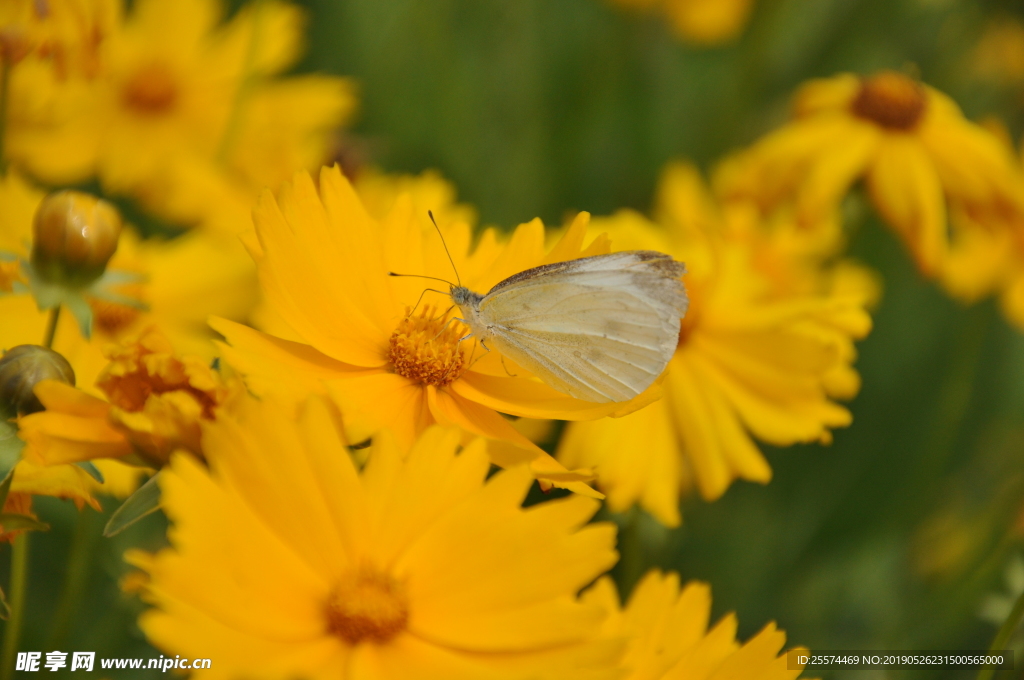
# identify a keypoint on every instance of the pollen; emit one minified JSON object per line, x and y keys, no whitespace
{"x":151,"y":90}
{"x":367,"y":606}
{"x":890,"y":99}
{"x":426,"y":349}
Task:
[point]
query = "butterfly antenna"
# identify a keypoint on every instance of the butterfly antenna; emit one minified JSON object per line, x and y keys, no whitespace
{"x":446,"y":252}
{"x":424,"y":276}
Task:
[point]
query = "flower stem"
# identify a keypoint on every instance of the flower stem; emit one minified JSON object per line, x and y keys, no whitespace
{"x":12,"y":631}
{"x":76,"y":577}
{"x":1003,"y":636}
{"x":51,"y":327}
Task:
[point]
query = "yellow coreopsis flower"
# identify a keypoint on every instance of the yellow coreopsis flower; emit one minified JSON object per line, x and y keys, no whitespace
{"x":155,"y":404}
{"x":910,"y":143}
{"x":704,"y":22}
{"x":416,"y":567}
{"x":379,"y":191}
{"x":387,"y":356}
{"x":181,"y":109}
{"x":669,"y":637}
{"x":764,"y":349}
{"x":183,"y":281}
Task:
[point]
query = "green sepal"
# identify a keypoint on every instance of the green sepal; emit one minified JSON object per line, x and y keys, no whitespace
{"x":10,"y":453}
{"x":91,"y":470}
{"x":145,"y":501}
{"x":13,"y":522}
{"x":49,"y":295}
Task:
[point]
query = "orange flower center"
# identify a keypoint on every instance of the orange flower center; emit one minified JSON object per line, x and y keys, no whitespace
{"x":112,"y":317}
{"x":367,"y":606}
{"x":891,"y":100}
{"x":425,"y":349}
{"x":151,"y":90}
{"x":136,"y":371}
{"x":10,"y":273}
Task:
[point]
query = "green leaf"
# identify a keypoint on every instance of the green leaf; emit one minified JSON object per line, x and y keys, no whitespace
{"x":92,"y":470}
{"x":13,"y":522}
{"x":145,"y":501}
{"x":80,"y":309}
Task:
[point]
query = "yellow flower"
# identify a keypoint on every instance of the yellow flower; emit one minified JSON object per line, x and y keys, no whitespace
{"x":909,"y":142}
{"x":379,"y":192}
{"x":705,"y":22}
{"x":323,"y":264}
{"x":669,"y":638}
{"x":987,"y":257}
{"x":418,"y":566}
{"x":155,"y":404}
{"x":761,"y":353}
{"x":175,"y":90}
{"x":185,"y":280}
{"x":999,"y":54}
{"x":58,"y":35}
{"x":428,"y":191}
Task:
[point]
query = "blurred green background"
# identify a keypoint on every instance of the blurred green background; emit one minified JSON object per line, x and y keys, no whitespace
{"x":889,"y":539}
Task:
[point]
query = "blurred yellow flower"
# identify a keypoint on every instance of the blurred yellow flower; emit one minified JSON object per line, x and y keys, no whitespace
{"x":987,"y":254}
{"x":909,"y":142}
{"x":59,"y":36}
{"x":155,"y":404}
{"x":766,"y":345}
{"x":182,"y":109}
{"x":704,"y":22}
{"x":669,"y":638}
{"x":999,"y":54}
{"x":185,"y":280}
{"x":323,"y":264}
{"x":419,"y":566}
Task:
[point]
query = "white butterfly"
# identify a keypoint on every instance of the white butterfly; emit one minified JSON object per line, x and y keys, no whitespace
{"x":599,"y":328}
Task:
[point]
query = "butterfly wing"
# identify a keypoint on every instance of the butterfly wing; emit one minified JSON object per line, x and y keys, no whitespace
{"x":600,"y":328}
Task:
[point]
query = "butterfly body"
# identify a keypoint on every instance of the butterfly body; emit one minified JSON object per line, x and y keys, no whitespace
{"x":599,"y":328}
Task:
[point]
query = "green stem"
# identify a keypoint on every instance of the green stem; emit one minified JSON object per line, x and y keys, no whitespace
{"x":1003,"y":636}
{"x":5,"y":88}
{"x":956,"y":393}
{"x":51,"y":327}
{"x":233,"y":127}
{"x":75,"y":578}
{"x":12,"y":631}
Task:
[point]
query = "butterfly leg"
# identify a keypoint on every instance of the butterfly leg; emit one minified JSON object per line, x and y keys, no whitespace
{"x":510,"y":373}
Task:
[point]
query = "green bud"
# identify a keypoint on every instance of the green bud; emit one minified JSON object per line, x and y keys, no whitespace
{"x":21,"y":368}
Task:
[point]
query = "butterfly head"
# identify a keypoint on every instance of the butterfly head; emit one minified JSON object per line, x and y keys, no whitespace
{"x":463,"y":296}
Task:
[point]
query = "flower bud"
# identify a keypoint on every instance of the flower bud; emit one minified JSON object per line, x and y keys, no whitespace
{"x":74,"y":235}
{"x":21,"y":368}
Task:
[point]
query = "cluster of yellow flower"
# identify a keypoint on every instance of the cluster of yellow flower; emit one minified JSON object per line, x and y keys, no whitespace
{"x":297,"y":549}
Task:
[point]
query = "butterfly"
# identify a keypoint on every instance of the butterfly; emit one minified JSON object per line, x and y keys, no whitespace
{"x":598,"y":328}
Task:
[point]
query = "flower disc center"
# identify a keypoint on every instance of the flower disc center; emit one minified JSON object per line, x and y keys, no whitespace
{"x":425,"y":349}
{"x":151,"y":90}
{"x":890,"y":99}
{"x":112,"y":317}
{"x":367,"y":606}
